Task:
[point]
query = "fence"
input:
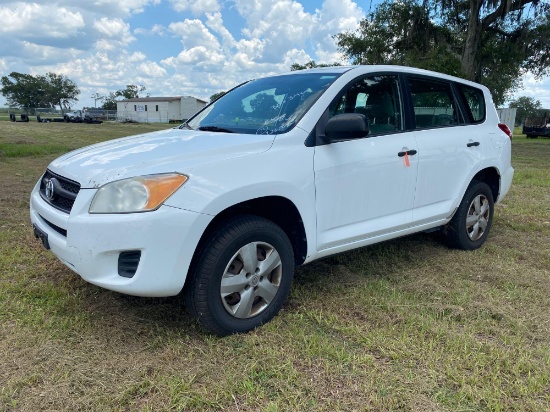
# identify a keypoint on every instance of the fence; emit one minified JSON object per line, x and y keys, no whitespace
{"x":98,"y":114}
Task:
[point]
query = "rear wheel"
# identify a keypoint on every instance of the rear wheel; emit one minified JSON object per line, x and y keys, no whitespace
{"x":242,"y":277}
{"x":472,"y":221}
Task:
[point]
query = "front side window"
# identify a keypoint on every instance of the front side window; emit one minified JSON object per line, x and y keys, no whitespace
{"x":270,"y":105}
{"x":434,"y":104}
{"x":376,"y":97}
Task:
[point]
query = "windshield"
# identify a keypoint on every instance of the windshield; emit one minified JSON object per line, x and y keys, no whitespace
{"x":270,"y":105}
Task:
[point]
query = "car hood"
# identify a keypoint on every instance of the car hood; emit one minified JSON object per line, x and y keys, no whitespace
{"x":173,"y":150}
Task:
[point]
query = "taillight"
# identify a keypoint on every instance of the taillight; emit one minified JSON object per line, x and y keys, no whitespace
{"x":505,"y":129}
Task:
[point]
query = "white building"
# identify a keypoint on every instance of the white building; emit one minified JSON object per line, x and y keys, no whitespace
{"x":158,"y":109}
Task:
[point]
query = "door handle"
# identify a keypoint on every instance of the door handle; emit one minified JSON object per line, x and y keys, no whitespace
{"x":409,"y":152}
{"x":472,"y":144}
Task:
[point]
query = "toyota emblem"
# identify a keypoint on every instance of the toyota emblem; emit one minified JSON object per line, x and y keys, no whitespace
{"x":50,"y":191}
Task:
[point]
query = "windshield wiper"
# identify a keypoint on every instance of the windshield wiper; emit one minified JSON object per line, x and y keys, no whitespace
{"x":181,"y":126}
{"x":214,"y":129}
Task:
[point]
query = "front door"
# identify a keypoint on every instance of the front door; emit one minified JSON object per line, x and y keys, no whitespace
{"x":365,"y":187}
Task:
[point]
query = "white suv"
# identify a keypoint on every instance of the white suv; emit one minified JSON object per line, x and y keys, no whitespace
{"x":278,"y":172}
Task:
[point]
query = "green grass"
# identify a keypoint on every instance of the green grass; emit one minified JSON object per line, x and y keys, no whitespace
{"x":26,"y":149}
{"x":404,"y":325}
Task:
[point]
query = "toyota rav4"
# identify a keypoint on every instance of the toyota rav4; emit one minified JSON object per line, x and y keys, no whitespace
{"x":278,"y":172}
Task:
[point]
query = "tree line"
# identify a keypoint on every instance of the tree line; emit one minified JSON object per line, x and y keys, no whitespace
{"x":51,"y":90}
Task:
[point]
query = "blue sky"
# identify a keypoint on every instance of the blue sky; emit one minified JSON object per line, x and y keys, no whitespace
{"x":177,"y":47}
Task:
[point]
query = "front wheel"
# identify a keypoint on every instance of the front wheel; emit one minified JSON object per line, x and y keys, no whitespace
{"x":473,"y":219}
{"x":242,"y":277}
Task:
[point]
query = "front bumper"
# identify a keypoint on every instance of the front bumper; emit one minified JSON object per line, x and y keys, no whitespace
{"x":90,"y":244}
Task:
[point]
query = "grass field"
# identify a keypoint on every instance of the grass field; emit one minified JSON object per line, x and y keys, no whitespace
{"x":404,"y":325}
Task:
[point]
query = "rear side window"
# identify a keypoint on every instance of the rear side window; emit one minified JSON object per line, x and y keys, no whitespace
{"x":434,"y":103}
{"x":475,"y":102}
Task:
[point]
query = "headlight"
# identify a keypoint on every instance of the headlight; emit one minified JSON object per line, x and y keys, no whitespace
{"x":138,"y":194}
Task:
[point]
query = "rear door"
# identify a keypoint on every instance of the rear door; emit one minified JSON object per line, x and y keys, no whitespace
{"x":449,"y":149}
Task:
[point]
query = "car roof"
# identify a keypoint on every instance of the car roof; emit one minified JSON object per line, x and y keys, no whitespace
{"x":382,"y":68}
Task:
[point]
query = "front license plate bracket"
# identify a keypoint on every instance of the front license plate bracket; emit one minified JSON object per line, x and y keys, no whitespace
{"x":43,"y":236}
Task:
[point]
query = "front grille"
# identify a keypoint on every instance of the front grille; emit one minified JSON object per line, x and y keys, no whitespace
{"x":61,"y":193}
{"x":128,"y":263}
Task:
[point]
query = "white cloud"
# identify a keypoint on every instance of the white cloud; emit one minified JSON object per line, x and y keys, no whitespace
{"x":102,"y":72}
{"x":136,"y":57}
{"x":157,"y":29}
{"x":35,"y":20}
{"x":151,"y":69}
{"x":120,"y":8}
{"x":296,"y":56}
{"x":335,"y":16}
{"x":284,"y":25}
{"x":194,"y":33}
{"x":114,"y":29}
{"x":196,"y":7}
{"x":215,"y":22}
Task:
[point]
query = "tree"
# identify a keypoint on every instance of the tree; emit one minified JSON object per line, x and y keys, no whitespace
{"x":50,"y":90}
{"x":216,"y":96}
{"x":109,"y":103}
{"x":526,"y":107}
{"x":487,"y":41}
{"x":130,"y":92}
{"x":22,"y":90}
{"x":311,"y":65}
{"x":60,"y":90}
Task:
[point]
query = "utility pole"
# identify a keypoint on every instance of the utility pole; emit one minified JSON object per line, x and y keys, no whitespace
{"x":96,"y":97}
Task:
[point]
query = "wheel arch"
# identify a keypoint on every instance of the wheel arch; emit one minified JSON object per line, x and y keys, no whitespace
{"x":280,"y":210}
{"x":491,"y":177}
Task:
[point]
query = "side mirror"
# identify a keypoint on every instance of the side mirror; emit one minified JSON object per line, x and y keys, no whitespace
{"x":347,"y":126}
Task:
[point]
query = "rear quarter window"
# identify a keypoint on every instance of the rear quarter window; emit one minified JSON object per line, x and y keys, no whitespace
{"x":474,"y":102}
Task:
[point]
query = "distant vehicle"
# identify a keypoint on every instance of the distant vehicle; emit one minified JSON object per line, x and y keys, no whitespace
{"x":76,"y":116}
{"x":79,"y":116}
{"x":534,"y":127}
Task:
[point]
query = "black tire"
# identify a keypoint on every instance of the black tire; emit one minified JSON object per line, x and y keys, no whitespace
{"x":66,"y":119}
{"x":472,"y":221}
{"x":221,"y":260}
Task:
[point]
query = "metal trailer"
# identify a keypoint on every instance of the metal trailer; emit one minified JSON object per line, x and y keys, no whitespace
{"x":534,"y":127}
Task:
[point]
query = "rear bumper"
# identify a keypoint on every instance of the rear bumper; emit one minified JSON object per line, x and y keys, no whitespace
{"x":505,"y":182}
